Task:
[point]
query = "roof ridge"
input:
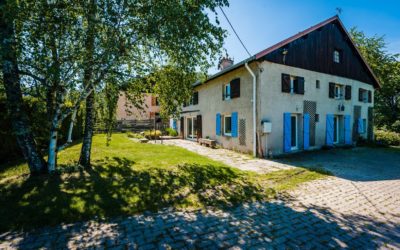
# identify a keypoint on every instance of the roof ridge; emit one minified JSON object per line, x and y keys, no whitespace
{"x":296,"y":36}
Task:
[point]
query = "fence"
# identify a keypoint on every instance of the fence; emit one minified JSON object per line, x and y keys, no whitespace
{"x":135,"y":125}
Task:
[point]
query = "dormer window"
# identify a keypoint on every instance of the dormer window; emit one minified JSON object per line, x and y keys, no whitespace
{"x":336,"y":56}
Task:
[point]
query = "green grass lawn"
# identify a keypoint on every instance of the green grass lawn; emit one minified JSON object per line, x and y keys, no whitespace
{"x":128,"y":178}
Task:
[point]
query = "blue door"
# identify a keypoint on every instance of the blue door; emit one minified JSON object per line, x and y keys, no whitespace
{"x":234,"y":124}
{"x":286,"y":132}
{"x":306,"y":131}
{"x":329,"y":130}
{"x":218,"y":124}
{"x":347,"y":129}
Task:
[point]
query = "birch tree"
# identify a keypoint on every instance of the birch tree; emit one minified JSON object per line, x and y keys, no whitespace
{"x":158,"y":34}
{"x":12,"y":86}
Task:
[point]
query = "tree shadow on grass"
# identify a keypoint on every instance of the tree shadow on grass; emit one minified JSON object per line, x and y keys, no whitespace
{"x":113,"y":187}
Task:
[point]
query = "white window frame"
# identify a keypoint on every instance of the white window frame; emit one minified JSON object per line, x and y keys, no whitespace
{"x":292,"y":78}
{"x":227,"y":86}
{"x":337,"y":129}
{"x":340,"y":91}
{"x":193,"y":136}
{"x":296,"y":147}
{"x":336,"y":56}
{"x":225,"y":133}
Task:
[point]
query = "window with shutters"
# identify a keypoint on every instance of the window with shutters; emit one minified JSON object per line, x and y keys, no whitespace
{"x":231,"y":90}
{"x":227,"y":125}
{"x":292,"y":84}
{"x":194,"y":99}
{"x":154,"y":101}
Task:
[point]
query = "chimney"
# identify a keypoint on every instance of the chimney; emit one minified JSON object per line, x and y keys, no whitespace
{"x":225,"y":62}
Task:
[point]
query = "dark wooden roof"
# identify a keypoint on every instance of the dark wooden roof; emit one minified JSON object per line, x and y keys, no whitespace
{"x":312,"y":49}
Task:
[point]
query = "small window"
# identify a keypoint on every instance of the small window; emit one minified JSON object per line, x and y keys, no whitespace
{"x":316,"y":117}
{"x":227,"y":91}
{"x":336,"y":56}
{"x":317,"y":84}
{"x":228,"y":125}
{"x":363,"y":95}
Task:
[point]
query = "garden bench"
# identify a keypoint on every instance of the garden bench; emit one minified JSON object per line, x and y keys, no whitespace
{"x":207,"y":142}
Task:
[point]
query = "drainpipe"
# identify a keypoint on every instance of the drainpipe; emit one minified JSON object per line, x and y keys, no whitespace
{"x":254,"y":110}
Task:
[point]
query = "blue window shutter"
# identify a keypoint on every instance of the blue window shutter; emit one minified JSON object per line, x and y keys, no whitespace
{"x":234,"y":124}
{"x":360,"y":126}
{"x":286,"y":132}
{"x":306,"y":131}
{"x":347,"y":130}
{"x":329,"y":129}
{"x":174,"y":126}
{"x":218,"y":124}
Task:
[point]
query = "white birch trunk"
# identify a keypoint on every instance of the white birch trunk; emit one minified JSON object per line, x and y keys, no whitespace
{"x":52,"y":154}
{"x":71,"y":126}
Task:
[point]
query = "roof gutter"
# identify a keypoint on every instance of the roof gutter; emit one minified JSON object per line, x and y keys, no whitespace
{"x":254,"y":109}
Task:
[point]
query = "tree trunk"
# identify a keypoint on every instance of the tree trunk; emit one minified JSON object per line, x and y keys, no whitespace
{"x":11,"y":81}
{"x":84,"y":159}
{"x":54,"y":126}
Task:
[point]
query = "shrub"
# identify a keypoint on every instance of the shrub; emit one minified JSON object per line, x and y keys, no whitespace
{"x":171,"y":132}
{"x":396,"y":126}
{"x":151,"y":134}
{"x":387,"y":137}
{"x":135,"y":135}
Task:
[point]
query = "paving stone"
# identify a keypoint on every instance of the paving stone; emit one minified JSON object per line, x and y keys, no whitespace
{"x":329,"y":213}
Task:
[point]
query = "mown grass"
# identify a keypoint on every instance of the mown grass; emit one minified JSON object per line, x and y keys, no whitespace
{"x":128,"y":178}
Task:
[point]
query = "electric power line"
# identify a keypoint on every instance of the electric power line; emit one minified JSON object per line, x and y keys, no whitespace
{"x":227,"y":19}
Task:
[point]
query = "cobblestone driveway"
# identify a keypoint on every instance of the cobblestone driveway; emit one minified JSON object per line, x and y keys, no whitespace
{"x":360,"y":209}
{"x":229,"y":157}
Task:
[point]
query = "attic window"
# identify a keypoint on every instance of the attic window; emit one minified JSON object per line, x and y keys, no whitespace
{"x":336,"y":56}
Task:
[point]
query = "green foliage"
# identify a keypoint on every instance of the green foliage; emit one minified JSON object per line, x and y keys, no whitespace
{"x":135,"y":135}
{"x":152,"y":134}
{"x":395,"y":126}
{"x":171,"y":132}
{"x":387,"y":137}
{"x":36,"y":111}
{"x":386,"y":67}
{"x":129,"y":178}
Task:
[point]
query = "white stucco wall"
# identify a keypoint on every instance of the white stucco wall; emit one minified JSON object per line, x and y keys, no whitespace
{"x":211,"y":103}
{"x":273,"y":102}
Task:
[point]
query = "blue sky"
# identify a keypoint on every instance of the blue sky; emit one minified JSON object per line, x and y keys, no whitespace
{"x":262,"y":23}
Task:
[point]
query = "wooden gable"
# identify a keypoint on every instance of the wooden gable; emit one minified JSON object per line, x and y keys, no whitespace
{"x":313,"y":50}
